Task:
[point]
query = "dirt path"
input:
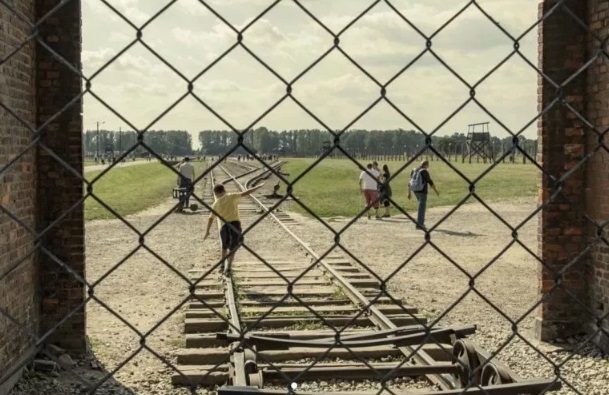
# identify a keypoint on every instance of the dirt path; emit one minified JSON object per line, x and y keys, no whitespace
{"x":433,"y":280}
{"x":144,"y":291}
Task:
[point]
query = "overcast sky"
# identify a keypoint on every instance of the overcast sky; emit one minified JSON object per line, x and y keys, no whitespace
{"x":189,"y":37}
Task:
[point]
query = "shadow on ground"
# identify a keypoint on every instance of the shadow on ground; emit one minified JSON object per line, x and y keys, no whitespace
{"x":58,"y":376}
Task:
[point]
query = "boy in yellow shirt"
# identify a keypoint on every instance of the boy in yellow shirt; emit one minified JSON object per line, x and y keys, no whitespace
{"x":226,"y":209}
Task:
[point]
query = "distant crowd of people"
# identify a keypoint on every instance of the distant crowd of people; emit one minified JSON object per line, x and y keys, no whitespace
{"x":111,"y":159}
{"x":264,"y":157}
{"x":375,"y":187}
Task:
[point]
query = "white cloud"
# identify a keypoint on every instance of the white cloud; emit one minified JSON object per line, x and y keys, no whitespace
{"x":130,"y":9}
{"x":119,"y":37}
{"x":192,"y":7}
{"x":264,"y":32}
{"x":189,"y":37}
{"x":196,"y":7}
{"x":218,"y":35}
{"x":221,"y":86}
{"x":135,"y":15}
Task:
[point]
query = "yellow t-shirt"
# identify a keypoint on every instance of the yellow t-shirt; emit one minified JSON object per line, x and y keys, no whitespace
{"x":227,"y":207}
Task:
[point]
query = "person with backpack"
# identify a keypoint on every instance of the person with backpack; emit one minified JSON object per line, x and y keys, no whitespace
{"x":419,"y":180}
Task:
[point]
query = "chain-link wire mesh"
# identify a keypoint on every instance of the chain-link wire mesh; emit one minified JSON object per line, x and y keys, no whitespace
{"x":426,"y":331}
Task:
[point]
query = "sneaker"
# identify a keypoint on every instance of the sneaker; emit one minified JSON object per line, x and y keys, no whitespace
{"x":386,"y":215}
{"x":421,"y":228}
{"x":378,"y":217}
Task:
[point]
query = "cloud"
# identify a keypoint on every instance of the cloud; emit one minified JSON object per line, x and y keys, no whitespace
{"x":219,"y":35}
{"x":287,"y":40}
{"x":121,"y":37}
{"x":264,"y":32}
{"x":93,"y":60}
{"x":130,"y":9}
{"x":221,"y":86}
{"x":196,"y":7}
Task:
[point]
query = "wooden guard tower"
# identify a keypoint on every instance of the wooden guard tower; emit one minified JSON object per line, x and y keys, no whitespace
{"x":478,"y":143}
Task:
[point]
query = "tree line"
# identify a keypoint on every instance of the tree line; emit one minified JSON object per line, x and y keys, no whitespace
{"x":307,"y":142}
{"x":298,"y":143}
{"x":107,"y":143}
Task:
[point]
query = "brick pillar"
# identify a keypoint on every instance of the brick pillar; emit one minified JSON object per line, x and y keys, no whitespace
{"x":562,"y":51}
{"x":597,"y":188}
{"x":18,"y":266}
{"x":58,"y":188}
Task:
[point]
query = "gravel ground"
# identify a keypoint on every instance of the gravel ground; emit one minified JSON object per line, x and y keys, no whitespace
{"x":471,"y":237}
{"x":143,"y":291}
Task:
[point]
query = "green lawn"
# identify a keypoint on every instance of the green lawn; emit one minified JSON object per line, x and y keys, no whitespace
{"x":331,"y":188}
{"x":129,"y":190}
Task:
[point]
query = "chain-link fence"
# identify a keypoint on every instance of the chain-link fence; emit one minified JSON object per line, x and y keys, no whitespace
{"x":45,"y":288}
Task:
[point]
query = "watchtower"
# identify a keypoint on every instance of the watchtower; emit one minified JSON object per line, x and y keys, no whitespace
{"x":478,"y":143}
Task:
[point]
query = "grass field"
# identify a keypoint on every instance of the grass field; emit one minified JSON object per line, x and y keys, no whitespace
{"x":331,"y":188}
{"x":129,"y":190}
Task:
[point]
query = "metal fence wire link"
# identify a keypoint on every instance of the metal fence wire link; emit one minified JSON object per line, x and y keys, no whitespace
{"x":558,"y":196}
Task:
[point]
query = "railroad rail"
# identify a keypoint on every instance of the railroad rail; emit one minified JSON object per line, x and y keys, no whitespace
{"x":267,"y":327}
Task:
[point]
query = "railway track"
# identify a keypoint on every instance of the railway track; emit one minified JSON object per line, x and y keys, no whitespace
{"x":293,"y":323}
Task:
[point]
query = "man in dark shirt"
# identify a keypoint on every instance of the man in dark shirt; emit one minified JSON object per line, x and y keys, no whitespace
{"x":422,"y":195}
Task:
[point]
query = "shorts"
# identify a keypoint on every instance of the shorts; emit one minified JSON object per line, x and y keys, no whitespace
{"x":230,"y":234}
{"x":371,"y":196}
{"x":385,"y":201}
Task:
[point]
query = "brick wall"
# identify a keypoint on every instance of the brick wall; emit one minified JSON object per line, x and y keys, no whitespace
{"x":566,"y":226}
{"x":58,"y":91}
{"x":18,"y":284}
{"x":562,"y":146}
{"x":597,"y":182}
{"x":35,"y":290}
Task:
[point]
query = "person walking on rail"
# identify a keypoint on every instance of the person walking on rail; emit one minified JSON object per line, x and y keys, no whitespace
{"x":226,"y":209}
{"x":186,"y":181}
{"x":419,"y":180}
{"x":368,"y":186}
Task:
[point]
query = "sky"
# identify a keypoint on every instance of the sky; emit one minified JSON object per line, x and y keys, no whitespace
{"x":239,"y":89}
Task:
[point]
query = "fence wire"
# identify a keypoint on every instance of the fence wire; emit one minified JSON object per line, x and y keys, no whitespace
{"x":334,"y":47}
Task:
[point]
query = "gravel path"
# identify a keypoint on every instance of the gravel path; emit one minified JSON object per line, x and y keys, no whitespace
{"x":472,"y":237}
{"x":143,"y":291}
